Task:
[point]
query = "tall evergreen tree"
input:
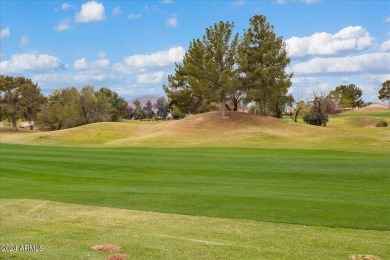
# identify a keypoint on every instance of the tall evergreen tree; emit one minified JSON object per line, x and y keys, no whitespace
{"x":181,"y":94}
{"x":210,"y":64}
{"x":263,"y":60}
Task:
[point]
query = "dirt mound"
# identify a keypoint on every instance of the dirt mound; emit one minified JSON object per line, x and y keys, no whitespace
{"x":117,"y":257}
{"x":375,"y":106}
{"x":106,"y":248}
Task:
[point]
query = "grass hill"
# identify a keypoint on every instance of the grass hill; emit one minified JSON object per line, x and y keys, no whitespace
{"x":350,"y":130}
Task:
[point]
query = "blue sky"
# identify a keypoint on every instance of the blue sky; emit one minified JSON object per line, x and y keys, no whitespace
{"x":131,"y":46}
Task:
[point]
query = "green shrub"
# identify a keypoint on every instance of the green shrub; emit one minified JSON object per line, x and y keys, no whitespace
{"x":314,"y":118}
{"x":381,"y":123}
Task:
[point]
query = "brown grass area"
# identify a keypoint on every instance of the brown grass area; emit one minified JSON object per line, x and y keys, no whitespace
{"x":109,"y":248}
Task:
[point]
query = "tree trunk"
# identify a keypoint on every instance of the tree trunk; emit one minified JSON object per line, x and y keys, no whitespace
{"x":235,"y":104}
{"x":389,"y":102}
{"x":223,"y":107}
{"x":14,"y":126}
{"x":265,"y":108}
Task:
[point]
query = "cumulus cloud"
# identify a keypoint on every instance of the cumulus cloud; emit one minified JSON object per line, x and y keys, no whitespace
{"x":239,"y":2}
{"x":24,"y":41}
{"x":5,"y":33}
{"x":116,"y":11}
{"x":134,"y":16}
{"x":63,"y":25}
{"x":292,"y":1}
{"x":101,"y":64}
{"x":385,"y":47}
{"x":91,"y":12}
{"x":31,"y":62}
{"x":154,"y":60}
{"x":150,"y":78}
{"x":171,"y":22}
{"x":66,"y":6}
{"x":365,"y":63}
{"x":349,"y":39}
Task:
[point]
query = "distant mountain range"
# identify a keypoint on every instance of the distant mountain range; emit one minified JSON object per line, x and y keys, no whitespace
{"x":143,"y":99}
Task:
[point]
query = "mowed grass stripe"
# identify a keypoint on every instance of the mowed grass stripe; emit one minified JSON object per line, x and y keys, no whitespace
{"x":310,"y":187}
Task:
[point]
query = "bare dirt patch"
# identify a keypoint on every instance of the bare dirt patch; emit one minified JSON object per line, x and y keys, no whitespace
{"x":117,"y":257}
{"x":364,"y":257}
{"x":106,"y":248}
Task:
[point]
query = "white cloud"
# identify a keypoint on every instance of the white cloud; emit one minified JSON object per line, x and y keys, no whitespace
{"x":66,"y":6}
{"x":91,"y":12}
{"x":24,"y":41}
{"x":63,"y":25}
{"x":31,"y":62}
{"x":239,"y":2}
{"x":134,"y":16}
{"x":116,"y":11}
{"x":349,"y":39}
{"x":292,"y":1}
{"x":151,"y":78}
{"x":167,"y":1}
{"x":101,"y":55}
{"x":101,"y":64}
{"x":387,"y":20}
{"x":385,"y":47}
{"x":4,"y":33}
{"x":157,"y":59}
{"x":171,"y":22}
{"x":365,"y":63}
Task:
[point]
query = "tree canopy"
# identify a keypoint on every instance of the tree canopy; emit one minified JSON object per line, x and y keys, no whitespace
{"x":20,"y":98}
{"x":347,"y":96}
{"x":68,"y":107}
{"x":384,"y":92}
{"x":222,"y":68}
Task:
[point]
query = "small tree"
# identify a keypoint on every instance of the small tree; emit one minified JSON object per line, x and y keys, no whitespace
{"x":296,"y":107}
{"x":95,"y":107}
{"x":61,"y":110}
{"x":317,"y":113}
{"x":384,"y":92}
{"x":148,"y":109}
{"x":20,"y":98}
{"x":162,"y":107}
{"x":118,"y":104}
{"x":138,"y":111}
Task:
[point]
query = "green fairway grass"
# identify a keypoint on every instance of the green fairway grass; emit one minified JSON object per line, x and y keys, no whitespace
{"x":310,"y":187}
{"x":242,"y":187}
{"x":67,"y":231}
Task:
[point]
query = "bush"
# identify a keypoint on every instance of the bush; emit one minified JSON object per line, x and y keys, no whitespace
{"x":313,"y":118}
{"x":381,"y":123}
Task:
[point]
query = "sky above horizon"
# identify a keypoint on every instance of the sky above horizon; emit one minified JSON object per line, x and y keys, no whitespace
{"x":131,"y":46}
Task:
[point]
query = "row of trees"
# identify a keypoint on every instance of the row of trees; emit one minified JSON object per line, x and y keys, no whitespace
{"x":224,"y":68}
{"x":20,"y":98}
{"x":68,"y":107}
{"x":160,"y":109}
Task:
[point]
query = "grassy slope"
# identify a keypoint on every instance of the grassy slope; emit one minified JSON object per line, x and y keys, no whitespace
{"x":238,"y":130}
{"x":306,"y":185}
{"x":67,"y":231}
